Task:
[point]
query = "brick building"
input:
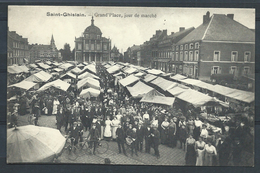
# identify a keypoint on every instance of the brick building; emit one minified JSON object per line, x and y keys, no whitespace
{"x":164,"y":50}
{"x":219,"y":46}
{"x":17,"y":49}
{"x":44,"y":52}
{"x":91,"y":46}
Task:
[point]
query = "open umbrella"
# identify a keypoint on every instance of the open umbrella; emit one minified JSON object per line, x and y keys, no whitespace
{"x":33,"y":144}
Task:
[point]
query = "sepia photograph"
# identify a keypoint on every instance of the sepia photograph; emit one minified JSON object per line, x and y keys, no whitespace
{"x":130,"y":85}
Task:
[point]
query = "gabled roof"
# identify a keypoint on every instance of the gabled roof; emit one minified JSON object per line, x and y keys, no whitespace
{"x":220,"y":28}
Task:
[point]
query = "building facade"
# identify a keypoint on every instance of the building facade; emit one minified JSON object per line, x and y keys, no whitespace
{"x":17,"y":49}
{"x":164,"y":49}
{"x":44,"y":52}
{"x":115,"y":55}
{"x":133,"y":55}
{"x":91,"y":46}
{"x":220,"y":46}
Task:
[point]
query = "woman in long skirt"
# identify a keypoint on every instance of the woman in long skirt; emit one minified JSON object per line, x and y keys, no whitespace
{"x":107,"y":131}
{"x":55,"y":106}
{"x":172,"y":134}
{"x":114,"y":124}
{"x":200,"y":148}
{"x":210,"y":152}
{"x":164,"y":131}
{"x":190,"y":156}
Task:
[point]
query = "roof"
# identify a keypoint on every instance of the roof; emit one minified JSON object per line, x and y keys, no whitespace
{"x":41,"y":76}
{"x":90,"y":68}
{"x":26,"y":85}
{"x":149,"y":77}
{"x":198,"y":83}
{"x":178,"y":77}
{"x":177,"y":36}
{"x":59,"y":84}
{"x":243,"y":96}
{"x":220,"y":28}
{"x":90,"y":82}
{"x":44,"y":66}
{"x":114,"y":68}
{"x":68,"y":75}
{"x":14,"y":69}
{"x":154,"y":96}
{"x":155,"y":71}
{"x":163,"y":83}
{"x":89,"y":92}
{"x":92,"y":29}
{"x":87,"y":74}
{"x":128,"y":80}
{"x":177,"y":90}
{"x":65,"y":66}
{"x":194,"y":97}
{"x":139,"y":89}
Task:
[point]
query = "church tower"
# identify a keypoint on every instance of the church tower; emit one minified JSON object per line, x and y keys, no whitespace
{"x":53,"y":46}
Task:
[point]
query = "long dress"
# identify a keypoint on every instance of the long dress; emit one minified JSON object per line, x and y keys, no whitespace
{"x":200,"y":147}
{"x":107,"y":131}
{"x":210,"y":151}
{"x":114,"y":124}
{"x":164,"y":132}
{"x":172,"y":135}
{"x":190,"y":157}
{"x":55,"y":106}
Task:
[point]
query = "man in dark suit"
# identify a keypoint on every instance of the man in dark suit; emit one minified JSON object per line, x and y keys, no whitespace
{"x":120,"y":133}
{"x":133,"y":145}
{"x":147,"y":138}
{"x":60,"y":117}
{"x":93,"y":137}
{"x":140,"y":137}
{"x":156,"y":141}
{"x":74,"y":133}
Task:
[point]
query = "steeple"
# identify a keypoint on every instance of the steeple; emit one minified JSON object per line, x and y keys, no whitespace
{"x":53,"y":46}
{"x":52,"y":40}
{"x":92,"y":21}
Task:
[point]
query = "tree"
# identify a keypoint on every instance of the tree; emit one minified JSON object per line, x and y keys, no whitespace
{"x":66,"y":53}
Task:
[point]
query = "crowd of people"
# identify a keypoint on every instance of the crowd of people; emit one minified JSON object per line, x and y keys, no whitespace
{"x":116,"y":116}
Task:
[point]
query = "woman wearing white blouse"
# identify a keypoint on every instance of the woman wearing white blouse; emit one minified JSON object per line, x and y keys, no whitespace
{"x":210,"y":151}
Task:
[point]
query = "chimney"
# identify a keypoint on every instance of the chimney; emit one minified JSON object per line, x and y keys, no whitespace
{"x":181,"y":29}
{"x":165,"y":31}
{"x":206,"y":18}
{"x":158,"y":32}
{"x":231,"y":16}
{"x":172,"y":33}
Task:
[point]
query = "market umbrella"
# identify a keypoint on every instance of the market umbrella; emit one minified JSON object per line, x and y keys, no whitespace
{"x":31,"y":143}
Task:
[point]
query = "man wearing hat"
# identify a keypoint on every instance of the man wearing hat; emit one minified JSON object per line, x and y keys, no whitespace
{"x":147,"y":138}
{"x":140,"y":137}
{"x":156,"y":141}
{"x":93,"y":137}
{"x":74,"y":133}
{"x":120,"y":134}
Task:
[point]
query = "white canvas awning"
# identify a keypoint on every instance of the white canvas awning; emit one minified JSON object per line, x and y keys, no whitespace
{"x":26,"y":85}
{"x":89,"y":92}
{"x":87,"y":74}
{"x":163,"y":83}
{"x":139,"y":89}
{"x":90,"y":82}
{"x":59,"y":84}
{"x":41,"y":76}
{"x":128,"y":80}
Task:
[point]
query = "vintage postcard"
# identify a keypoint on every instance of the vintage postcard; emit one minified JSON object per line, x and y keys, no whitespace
{"x":131,"y":85}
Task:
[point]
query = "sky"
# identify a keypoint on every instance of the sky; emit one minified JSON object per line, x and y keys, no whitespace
{"x":32,"y":22}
